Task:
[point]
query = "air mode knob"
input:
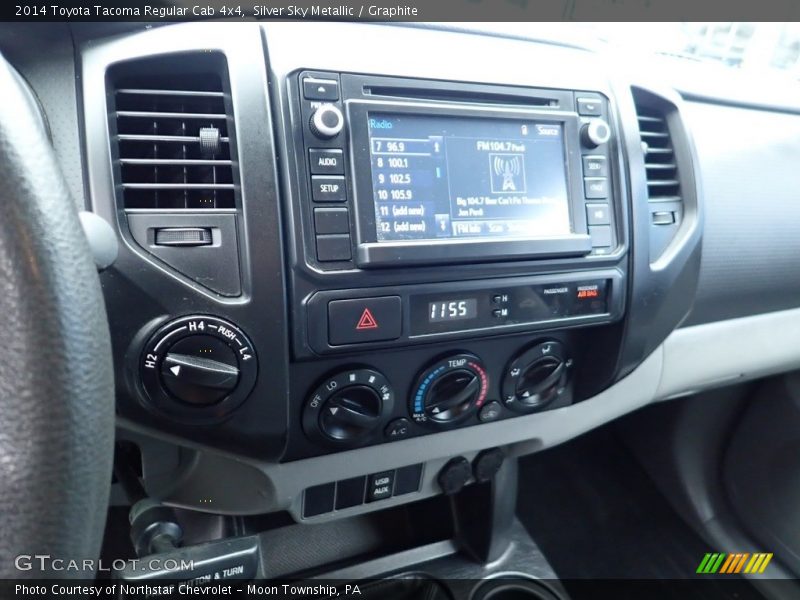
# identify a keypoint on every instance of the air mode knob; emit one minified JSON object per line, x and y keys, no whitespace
{"x":536,"y":377}
{"x":595,"y":133}
{"x":327,"y":121}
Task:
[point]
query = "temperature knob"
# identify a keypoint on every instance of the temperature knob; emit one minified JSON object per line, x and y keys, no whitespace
{"x":536,"y":377}
{"x":595,"y":133}
{"x":450,"y":391}
{"x":348,"y":408}
{"x":326,"y":122}
{"x":197,"y":367}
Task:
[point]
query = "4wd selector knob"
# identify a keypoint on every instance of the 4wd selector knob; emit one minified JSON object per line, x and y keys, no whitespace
{"x":327,"y":121}
{"x":190,"y":374}
{"x":348,"y":407}
{"x":450,"y":390}
{"x":197,"y":368}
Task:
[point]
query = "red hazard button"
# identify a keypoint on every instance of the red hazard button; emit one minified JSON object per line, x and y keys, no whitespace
{"x":367,"y":321}
{"x":364,"y":320}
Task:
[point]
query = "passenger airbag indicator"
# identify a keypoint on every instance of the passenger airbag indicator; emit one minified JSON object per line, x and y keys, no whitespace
{"x":588,"y":291}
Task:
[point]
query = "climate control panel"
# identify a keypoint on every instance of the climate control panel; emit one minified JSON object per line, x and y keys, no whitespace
{"x":367,"y":405}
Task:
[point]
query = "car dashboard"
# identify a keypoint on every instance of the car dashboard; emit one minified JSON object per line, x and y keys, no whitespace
{"x":322,"y":302}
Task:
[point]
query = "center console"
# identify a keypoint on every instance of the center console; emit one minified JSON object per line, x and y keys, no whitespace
{"x":348,"y":279}
{"x":413,"y":196}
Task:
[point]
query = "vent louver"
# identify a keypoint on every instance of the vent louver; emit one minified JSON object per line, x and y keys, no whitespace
{"x":667,"y":167}
{"x":663,"y":183}
{"x":173,"y":138}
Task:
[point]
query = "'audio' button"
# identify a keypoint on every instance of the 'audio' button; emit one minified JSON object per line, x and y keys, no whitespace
{"x":326,"y":161}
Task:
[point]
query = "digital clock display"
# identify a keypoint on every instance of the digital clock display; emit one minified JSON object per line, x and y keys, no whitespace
{"x":452,"y":310}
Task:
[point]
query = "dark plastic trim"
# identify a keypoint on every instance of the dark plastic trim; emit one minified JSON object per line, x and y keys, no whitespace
{"x":661,"y":291}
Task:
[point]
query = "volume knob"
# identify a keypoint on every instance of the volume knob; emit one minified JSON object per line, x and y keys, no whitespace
{"x":327,"y":121}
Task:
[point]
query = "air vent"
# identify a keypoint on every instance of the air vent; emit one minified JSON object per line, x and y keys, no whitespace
{"x":664,"y":146}
{"x":173,"y":135}
{"x":663,"y":184}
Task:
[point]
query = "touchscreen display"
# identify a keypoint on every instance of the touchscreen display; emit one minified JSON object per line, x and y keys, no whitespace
{"x":447,"y":177}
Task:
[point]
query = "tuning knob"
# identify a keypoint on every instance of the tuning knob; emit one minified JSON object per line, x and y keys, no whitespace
{"x":595,"y":133}
{"x":326,"y":122}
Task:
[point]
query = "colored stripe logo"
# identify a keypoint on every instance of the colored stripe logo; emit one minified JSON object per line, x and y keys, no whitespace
{"x":737,"y":562}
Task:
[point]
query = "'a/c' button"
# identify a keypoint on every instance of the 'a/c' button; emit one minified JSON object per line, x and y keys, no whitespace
{"x":364,"y":320}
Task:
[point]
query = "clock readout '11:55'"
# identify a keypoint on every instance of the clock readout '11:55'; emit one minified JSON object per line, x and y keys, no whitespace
{"x":452,"y":310}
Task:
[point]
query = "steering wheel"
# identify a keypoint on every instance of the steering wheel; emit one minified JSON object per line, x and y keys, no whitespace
{"x":56,"y":375}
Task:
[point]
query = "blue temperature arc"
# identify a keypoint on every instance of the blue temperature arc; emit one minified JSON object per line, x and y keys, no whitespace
{"x":423,"y":387}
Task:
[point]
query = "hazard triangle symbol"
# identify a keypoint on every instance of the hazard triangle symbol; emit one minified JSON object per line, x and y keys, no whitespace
{"x":367,"y":321}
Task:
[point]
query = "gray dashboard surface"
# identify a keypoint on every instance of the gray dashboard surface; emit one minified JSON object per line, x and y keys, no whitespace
{"x":751,"y":192}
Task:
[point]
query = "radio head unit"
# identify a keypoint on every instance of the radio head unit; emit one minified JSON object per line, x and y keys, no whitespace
{"x":419,"y":172}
